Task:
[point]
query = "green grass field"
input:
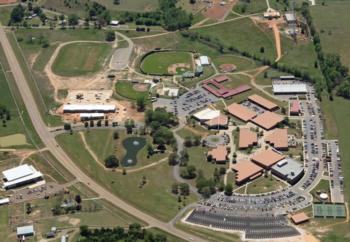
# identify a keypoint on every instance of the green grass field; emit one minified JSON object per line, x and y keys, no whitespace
{"x":252,"y":6}
{"x":5,"y":13}
{"x":158,"y":63}
{"x":10,"y":96}
{"x":126,"y":89}
{"x":242,"y":63}
{"x":261,"y":80}
{"x":333,"y":27}
{"x":81,"y":59}
{"x":131,"y":5}
{"x":154,"y":198}
{"x":262,"y":185}
{"x":244,"y":35}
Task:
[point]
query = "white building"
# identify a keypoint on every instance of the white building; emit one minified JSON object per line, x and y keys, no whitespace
{"x":89,"y":108}
{"x":4,"y":201}
{"x":114,"y":23}
{"x":204,"y":60}
{"x":289,"y":88}
{"x":91,"y":116}
{"x":25,"y":231}
{"x":20,"y":175}
{"x":206,"y":114}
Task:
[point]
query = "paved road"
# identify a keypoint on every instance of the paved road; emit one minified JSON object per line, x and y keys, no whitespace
{"x":48,"y":139}
{"x":121,"y":56}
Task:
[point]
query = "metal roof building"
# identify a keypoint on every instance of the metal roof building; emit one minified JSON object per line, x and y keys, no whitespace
{"x":25,"y":230}
{"x":89,"y":108}
{"x":207,"y":114}
{"x":20,"y":175}
{"x":290,"y":88}
{"x":289,"y":170}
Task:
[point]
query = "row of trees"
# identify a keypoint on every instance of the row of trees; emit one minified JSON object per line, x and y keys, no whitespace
{"x":134,"y":233}
{"x":334,"y":73}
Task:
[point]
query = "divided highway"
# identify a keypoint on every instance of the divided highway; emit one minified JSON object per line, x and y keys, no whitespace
{"x":51,"y":144}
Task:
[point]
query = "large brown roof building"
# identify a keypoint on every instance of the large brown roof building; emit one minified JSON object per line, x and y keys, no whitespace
{"x":267,"y":120}
{"x":219,"y":154}
{"x":278,"y":139}
{"x":241,"y":112}
{"x":247,"y":138}
{"x":267,"y":158}
{"x":246,"y":171}
{"x":263,"y":102}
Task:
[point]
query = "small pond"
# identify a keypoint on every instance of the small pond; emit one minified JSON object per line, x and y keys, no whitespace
{"x":132,"y":145}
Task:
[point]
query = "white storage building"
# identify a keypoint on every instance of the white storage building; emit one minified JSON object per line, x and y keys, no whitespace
{"x":204,"y":60}
{"x":91,"y":116}
{"x":89,"y":108}
{"x":25,"y":231}
{"x":20,"y":175}
{"x":290,"y":88}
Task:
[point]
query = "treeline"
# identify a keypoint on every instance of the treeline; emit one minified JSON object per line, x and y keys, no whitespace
{"x":4,"y":115}
{"x":133,"y":233}
{"x":169,"y":16}
{"x":334,"y":72}
{"x":216,"y":44}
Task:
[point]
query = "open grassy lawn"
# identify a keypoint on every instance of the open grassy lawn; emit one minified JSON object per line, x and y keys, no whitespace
{"x":252,"y":6}
{"x":50,"y":167}
{"x":236,"y":80}
{"x":158,"y":63}
{"x":242,"y":63}
{"x":102,"y":144}
{"x":5,"y":13}
{"x":244,"y":35}
{"x":333,"y":27}
{"x":11,"y":98}
{"x":262,"y":80}
{"x":292,"y":53}
{"x":208,"y":234}
{"x":126,"y":89}
{"x":80,"y":59}
{"x":262,"y":185}
{"x":154,"y":197}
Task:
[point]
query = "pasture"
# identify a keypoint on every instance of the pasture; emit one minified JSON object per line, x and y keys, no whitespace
{"x":80,"y":59}
{"x":167,"y":63}
{"x":131,"y":5}
{"x":333,"y":27}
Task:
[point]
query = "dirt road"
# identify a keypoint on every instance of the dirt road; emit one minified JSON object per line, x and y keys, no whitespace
{"x":49,"y":141}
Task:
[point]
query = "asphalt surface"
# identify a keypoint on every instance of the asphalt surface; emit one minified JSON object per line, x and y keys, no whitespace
{"x":121,"y":57}
{"x":51,"y":144}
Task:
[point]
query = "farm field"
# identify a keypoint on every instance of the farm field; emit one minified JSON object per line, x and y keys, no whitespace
{"x":154,"y":197}
{"x":244,"y":35}
{"x":333,"y":27}
{"x":126,"y":89}
{"x":159,"y":63}
{"x":80,"y":59}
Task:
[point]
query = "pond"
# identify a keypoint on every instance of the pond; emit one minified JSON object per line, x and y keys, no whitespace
{"x":132,"y":145}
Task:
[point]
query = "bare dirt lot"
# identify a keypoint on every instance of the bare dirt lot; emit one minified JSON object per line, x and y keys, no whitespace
{"x":218,"y":11}
{"x":7,"y":1}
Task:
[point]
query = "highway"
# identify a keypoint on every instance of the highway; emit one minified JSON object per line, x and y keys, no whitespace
{"x":51,"y":144}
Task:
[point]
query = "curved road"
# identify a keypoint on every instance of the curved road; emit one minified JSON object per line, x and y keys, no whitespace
{"x":51,"y":144}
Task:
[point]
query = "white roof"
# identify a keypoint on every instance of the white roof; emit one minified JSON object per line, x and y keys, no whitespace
{"x":92,"y":115}
{"x":172,"y":92}
{"x":18,"y":172}
{"x":207,"y":114}
{"x":114,"y":22}
{"x":290,"y":17}
{"x":290,"y":88}
{"x":198,"y":62}
{"x":204,"y":60}
{"x":4,"y":201}
{"x":29,"y":229}
{"x":88,"y":107}
{"x":33,"y":176}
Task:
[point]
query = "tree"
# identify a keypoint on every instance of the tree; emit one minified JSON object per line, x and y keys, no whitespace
{"x":73,"y":20}
{"x":115,"y":135}
{"x":184,"y":189}
{"x":189,"y":172}
{"x":173,"y":159}
{"x":78,"y":199}
{"x":140,"y":102}
{"x":67,"y":126}
{"x":262,"y":49}
{"x":175,"y":188}
{"x":228,"y":189}
{"x":17,"y":14}
{"x":111,"y":161}
{"x":110,"y":36}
